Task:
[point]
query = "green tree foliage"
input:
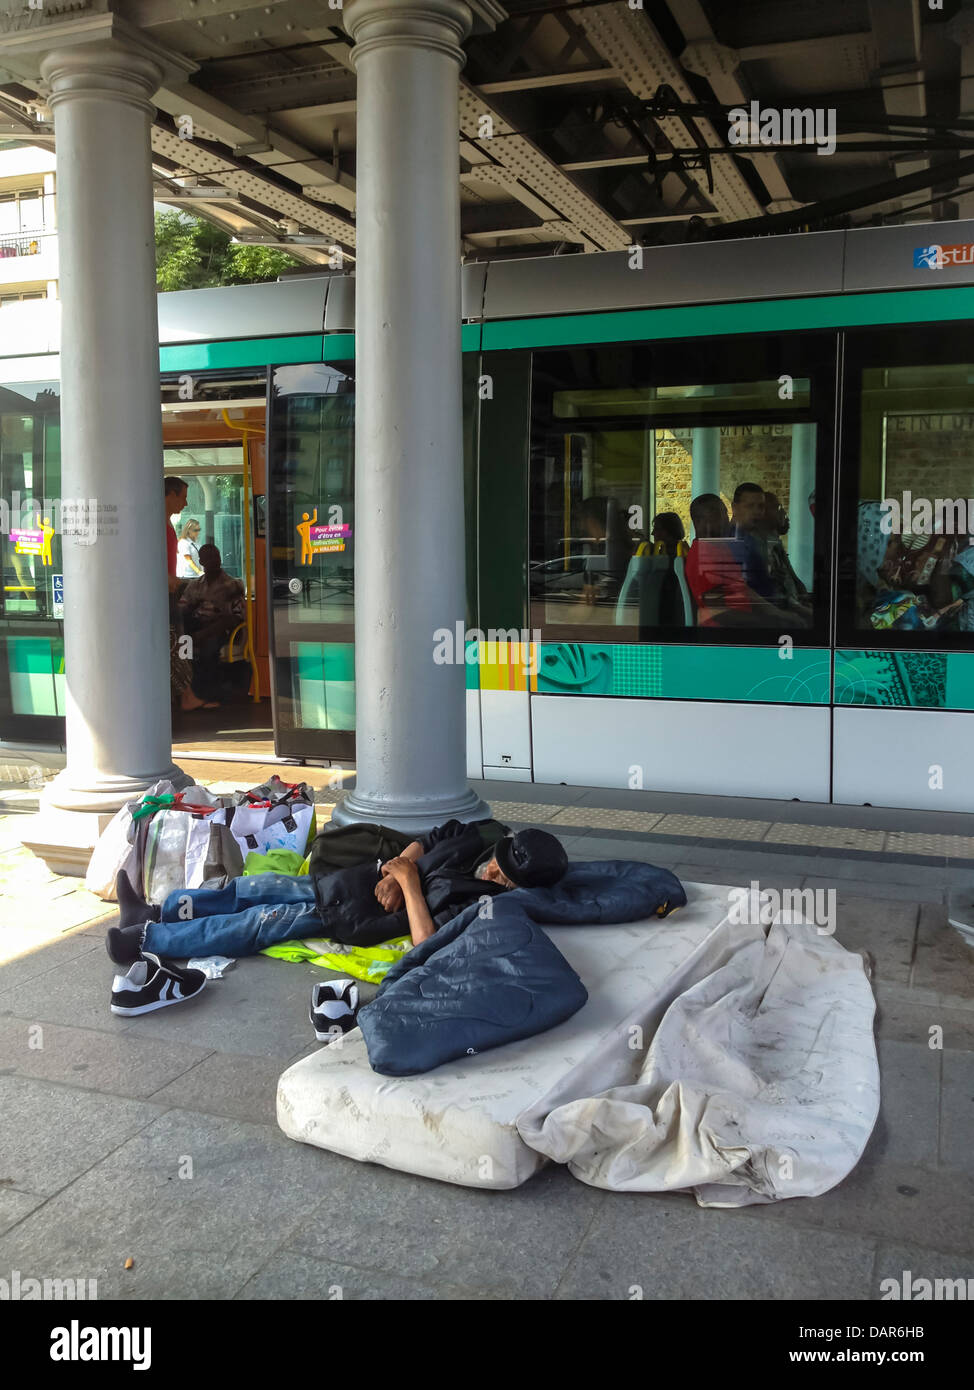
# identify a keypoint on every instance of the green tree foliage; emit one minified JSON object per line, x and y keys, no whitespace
{"x":192,"y":254}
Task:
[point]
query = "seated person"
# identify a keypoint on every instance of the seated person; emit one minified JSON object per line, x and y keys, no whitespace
{"x":668,"y":541}
{"x":668,"y":532}
{"x":422,"y":889}
{"x":717,"y":572}
{"x":747,"y":518}
{"x":212,"y":606}
{"x":788,"y":590}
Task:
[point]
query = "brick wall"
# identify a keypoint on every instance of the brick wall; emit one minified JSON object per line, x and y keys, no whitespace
{"x":762,"y":456}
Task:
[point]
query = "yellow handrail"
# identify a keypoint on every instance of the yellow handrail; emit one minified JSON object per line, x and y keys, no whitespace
{"x":247,"y":431}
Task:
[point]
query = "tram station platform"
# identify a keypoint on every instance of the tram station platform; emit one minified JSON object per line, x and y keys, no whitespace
{"x":273,"y":1219}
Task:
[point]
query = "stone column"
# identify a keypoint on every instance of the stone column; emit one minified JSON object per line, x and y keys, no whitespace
{"x":409,"y":504}
{"x":705,"y":465}
{"x":118,"y":726}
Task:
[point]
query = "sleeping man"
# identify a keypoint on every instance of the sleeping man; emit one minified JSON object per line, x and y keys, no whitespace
{"x":421,"y":889}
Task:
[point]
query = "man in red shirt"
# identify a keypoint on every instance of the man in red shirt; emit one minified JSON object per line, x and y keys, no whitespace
{"x":176,"y":490}
{"x":715,"y":570}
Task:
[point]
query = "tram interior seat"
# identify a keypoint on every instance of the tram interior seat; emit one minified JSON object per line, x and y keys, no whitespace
{"x":645,"y":583}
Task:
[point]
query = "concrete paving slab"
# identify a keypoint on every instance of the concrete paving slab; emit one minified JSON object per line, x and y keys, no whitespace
{"x":121,"y":1065}
{"x":258,"y":1009}
{"x":238,"y":1087}
{"x":905,"y":1019}
{"x":944,"y":961}
{"x":14,"y":1206}
{"x":399,"y":1224}
{"x":904,"y":1265}
{"x":886,"y":870}
{"x":887,"y":892}
{"x":890,"y":1201}
{"x":77,"y":991}
{"x":635,"y":847}
{"x":665,"y":1247}
{"x":44,"y":958}
{"x":191,"y":1237}
{"x":957,"y":1117}
{"x":886,"y":930}
{"x":52,"y":1134}
{"x":288,"y":1276}
{"x":908,"y":1128}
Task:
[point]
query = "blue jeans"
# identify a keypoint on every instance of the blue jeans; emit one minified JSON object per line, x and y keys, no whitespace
{"x":239,"y":920}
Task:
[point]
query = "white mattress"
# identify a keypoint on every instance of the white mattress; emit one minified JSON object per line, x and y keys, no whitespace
{"x":457,"y":1123}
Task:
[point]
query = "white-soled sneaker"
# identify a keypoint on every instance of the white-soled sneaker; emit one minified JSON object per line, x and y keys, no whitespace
{"x":151,"y":985}
{"x":334,"y":1005}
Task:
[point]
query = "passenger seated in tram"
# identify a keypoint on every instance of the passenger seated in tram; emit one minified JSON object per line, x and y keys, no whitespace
{"x":788,"y":590}
{"x":717,"y":571}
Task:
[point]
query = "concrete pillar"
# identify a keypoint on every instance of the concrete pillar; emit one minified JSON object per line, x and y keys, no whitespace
{"x":119,"y":737}
{"x":801,"y":532}
{"x":705,"y":453}
{"x":409,"y":504}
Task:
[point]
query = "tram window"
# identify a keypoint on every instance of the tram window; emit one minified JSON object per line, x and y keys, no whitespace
{"x":914,"y":546}
{"x":30,"y":485}
{"x":669,"y":506}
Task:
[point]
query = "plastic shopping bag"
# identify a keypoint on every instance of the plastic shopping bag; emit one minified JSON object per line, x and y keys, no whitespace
{"x":264,"y":828}
{"x":119,"y":846}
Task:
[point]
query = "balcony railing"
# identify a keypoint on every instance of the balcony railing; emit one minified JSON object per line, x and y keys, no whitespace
{"x":24,"y":244}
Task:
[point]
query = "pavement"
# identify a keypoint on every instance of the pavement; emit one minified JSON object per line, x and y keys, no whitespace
{"x":153,"y":1140}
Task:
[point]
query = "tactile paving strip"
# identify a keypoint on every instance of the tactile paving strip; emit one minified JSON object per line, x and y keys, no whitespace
{"x":831,"y":836}
{"x":714,"y":827}
{"x":606,"y":820}
{"x":912,"y":842}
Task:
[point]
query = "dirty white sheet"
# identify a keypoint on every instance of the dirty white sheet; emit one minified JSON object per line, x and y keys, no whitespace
{"x":750,"y":1076}
{"x":458,"y":1122}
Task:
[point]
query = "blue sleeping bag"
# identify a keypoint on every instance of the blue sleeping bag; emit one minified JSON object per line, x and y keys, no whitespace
{"x":492,"y":976}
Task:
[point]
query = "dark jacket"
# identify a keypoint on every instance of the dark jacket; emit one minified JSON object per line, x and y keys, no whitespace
{"x":346,"y":897}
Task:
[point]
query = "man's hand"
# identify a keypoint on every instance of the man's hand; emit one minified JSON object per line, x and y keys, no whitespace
{"x":401,"y":871}
{"x":389,"y":894}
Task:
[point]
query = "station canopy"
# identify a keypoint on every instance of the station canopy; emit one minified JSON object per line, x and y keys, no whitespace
{"x":583,"y":126}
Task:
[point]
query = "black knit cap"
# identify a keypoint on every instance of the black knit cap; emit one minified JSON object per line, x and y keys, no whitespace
{"x":531,"y":858}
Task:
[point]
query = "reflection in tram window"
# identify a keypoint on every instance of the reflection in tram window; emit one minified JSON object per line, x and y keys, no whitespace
{"x":667,"y":509}
{"x":915,"y":505}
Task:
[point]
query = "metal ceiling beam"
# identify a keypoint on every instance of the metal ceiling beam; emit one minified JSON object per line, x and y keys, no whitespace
{"x":269,"y":147}
{"x":186,"y":154}
{"x":504,"y":156}
{"x":815,"y":214}
{"x":630,"y":42}
{"x":531,"y":82}
{"x":721,"y":67}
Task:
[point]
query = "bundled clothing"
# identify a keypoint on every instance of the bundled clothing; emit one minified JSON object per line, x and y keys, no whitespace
{"x":254,"y":912}
{"x":452,"y":854}
{"x":493,"y":976}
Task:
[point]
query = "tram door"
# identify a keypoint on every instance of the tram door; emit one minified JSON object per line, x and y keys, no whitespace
{"x":215,"y":442}
{"x":311,"y":531}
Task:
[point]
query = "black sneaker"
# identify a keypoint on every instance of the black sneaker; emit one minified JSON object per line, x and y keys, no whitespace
{"x":334,"y":1005}
{"x":151,"y":985}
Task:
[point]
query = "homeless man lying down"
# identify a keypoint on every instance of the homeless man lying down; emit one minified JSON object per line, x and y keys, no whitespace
{"x":412,"y":893}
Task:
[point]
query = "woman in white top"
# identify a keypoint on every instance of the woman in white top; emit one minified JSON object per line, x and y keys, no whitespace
{"x":188,"y":557}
